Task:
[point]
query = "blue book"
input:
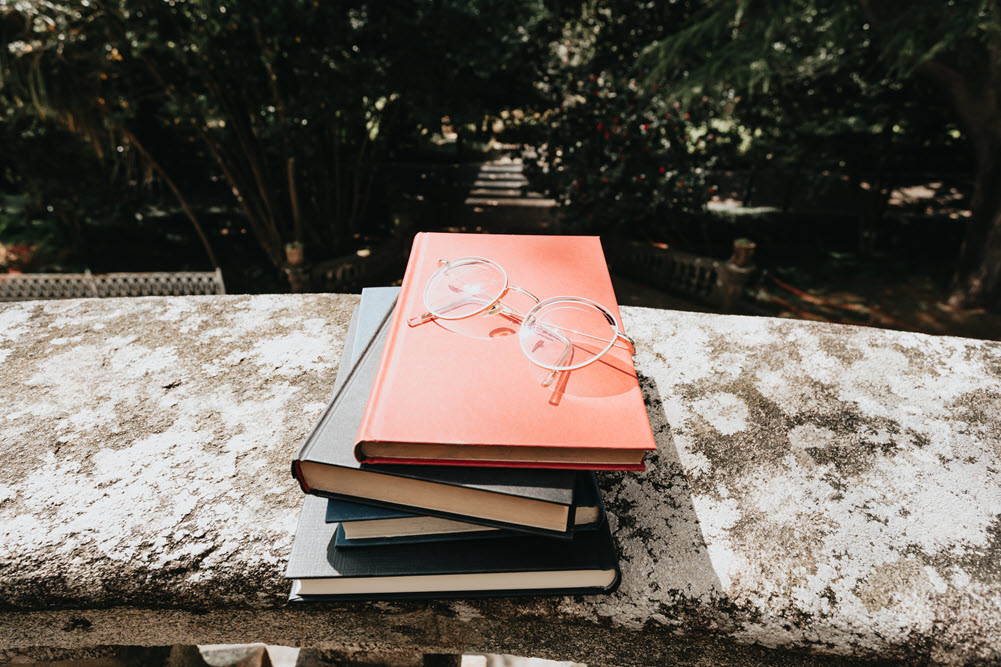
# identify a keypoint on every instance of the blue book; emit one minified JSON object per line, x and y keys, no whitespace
{"x":367,"y":525}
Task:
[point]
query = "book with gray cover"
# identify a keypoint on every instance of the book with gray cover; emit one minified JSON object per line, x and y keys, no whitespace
{"x":528,"y":500}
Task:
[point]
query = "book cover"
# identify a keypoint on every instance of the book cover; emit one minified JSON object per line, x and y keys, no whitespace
{"x":366,"y":525}
{"x":462,"y":392}
{"x":527,"y":500}
{"x":521,"y":565}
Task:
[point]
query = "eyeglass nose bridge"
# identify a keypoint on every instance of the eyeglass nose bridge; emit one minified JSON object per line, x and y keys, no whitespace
{"x":497,"y":306}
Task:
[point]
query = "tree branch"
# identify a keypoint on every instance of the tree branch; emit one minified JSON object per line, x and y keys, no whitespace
{"x":174,"y":189}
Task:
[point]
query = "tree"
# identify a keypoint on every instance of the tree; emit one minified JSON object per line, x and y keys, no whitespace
{"x":53,"y":190}
{"x":955,"y":47}
{"x":619,"y":155}
{"x":293,"y":102}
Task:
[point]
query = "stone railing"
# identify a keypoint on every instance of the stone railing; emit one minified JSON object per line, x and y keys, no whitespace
{"x":33,"y":286}
{"x":708,"y":281}
{"x":819,"y":491}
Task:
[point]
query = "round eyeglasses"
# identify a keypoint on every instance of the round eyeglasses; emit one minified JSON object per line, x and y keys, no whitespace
{"x":563,"y":333}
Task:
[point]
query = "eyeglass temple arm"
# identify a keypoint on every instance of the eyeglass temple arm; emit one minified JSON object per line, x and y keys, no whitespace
{"x":629,"y":341}
{"x":548,"y":380}
{"x":420,"y":319}
{"x":425,"y":317}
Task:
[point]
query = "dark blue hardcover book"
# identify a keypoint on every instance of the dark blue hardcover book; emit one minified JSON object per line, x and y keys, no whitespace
{"x":515,"y":565}
{"x":367,"y":525}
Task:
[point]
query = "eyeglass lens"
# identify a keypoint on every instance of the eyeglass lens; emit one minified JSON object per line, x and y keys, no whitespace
{"x":566,"y":333}
{"x":464,"y":288}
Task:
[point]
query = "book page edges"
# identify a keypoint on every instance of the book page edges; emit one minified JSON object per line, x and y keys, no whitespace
{"x":411,"y":527}
{"x":361,"y":484}
{"x":603,"y":580}
{"x":499,"y":455}
{"x":372,"y":529}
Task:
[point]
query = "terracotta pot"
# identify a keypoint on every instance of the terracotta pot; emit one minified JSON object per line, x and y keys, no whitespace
{"x":743,"y":252}
{"x":294,"y":255}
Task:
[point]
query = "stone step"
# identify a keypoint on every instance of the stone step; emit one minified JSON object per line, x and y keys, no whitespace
{"x":503,"y":192}
{"x":537,"y":201}
{"x":487,"y":183}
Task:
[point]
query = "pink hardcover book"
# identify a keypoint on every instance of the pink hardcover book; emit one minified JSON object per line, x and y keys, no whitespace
{"x":463,"y":391}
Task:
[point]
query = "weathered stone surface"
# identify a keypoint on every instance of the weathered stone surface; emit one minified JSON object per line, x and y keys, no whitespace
{"x":820,"y":489}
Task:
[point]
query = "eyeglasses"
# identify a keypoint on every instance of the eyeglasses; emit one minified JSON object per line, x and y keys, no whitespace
{"x":563,"y":333}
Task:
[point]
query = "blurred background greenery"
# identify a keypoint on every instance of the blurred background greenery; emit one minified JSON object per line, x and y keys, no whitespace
{"x":856,"y":143}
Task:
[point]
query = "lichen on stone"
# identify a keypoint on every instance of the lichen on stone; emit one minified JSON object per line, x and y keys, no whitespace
{"x":818,"y":488}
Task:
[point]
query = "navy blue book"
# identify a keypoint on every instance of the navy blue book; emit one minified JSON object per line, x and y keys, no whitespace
{"x":517,"y":565}
{"x":367,"y":525}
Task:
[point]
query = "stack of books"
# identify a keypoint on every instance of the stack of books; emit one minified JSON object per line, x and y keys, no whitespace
{"x":448,"y":464}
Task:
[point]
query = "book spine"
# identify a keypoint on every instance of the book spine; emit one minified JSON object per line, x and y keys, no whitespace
{"x":297,"y":473}
{"x":408,"y":304}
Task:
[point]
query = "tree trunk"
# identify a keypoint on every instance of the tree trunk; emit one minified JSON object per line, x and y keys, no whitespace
{"x":977,"y":281}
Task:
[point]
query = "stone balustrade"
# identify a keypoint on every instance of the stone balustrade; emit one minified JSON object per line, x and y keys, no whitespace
{"x":819,"y":491}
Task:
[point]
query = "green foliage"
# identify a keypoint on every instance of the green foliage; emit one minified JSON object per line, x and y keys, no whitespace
{"x":296,"y":103}
{"x":52,"y":189}
{"x":826,"y":85}
{"x":627,"y":161}
{"x":874,"y":51}
{"x":621,"y":156}
{"x":754,"y":45}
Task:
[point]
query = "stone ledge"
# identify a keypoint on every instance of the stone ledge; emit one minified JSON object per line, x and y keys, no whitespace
{"x":818,"y":489}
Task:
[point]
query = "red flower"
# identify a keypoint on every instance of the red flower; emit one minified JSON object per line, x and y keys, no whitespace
{"x":604,"y":179}
{"x":687,"y":116}
{"x":662,"y":170}
{"x":607,"y":135}
{"x":681,"y":184}
{"x":645,"y":127}
{"x":616,"y":120}
{"x":600,"y":126}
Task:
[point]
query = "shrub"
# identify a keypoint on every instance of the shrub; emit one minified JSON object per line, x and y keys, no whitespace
{"x":623,"y":159}
{"x":621,"y":156}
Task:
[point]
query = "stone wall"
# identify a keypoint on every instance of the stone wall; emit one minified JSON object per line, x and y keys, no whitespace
{"x":819,"y":490}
